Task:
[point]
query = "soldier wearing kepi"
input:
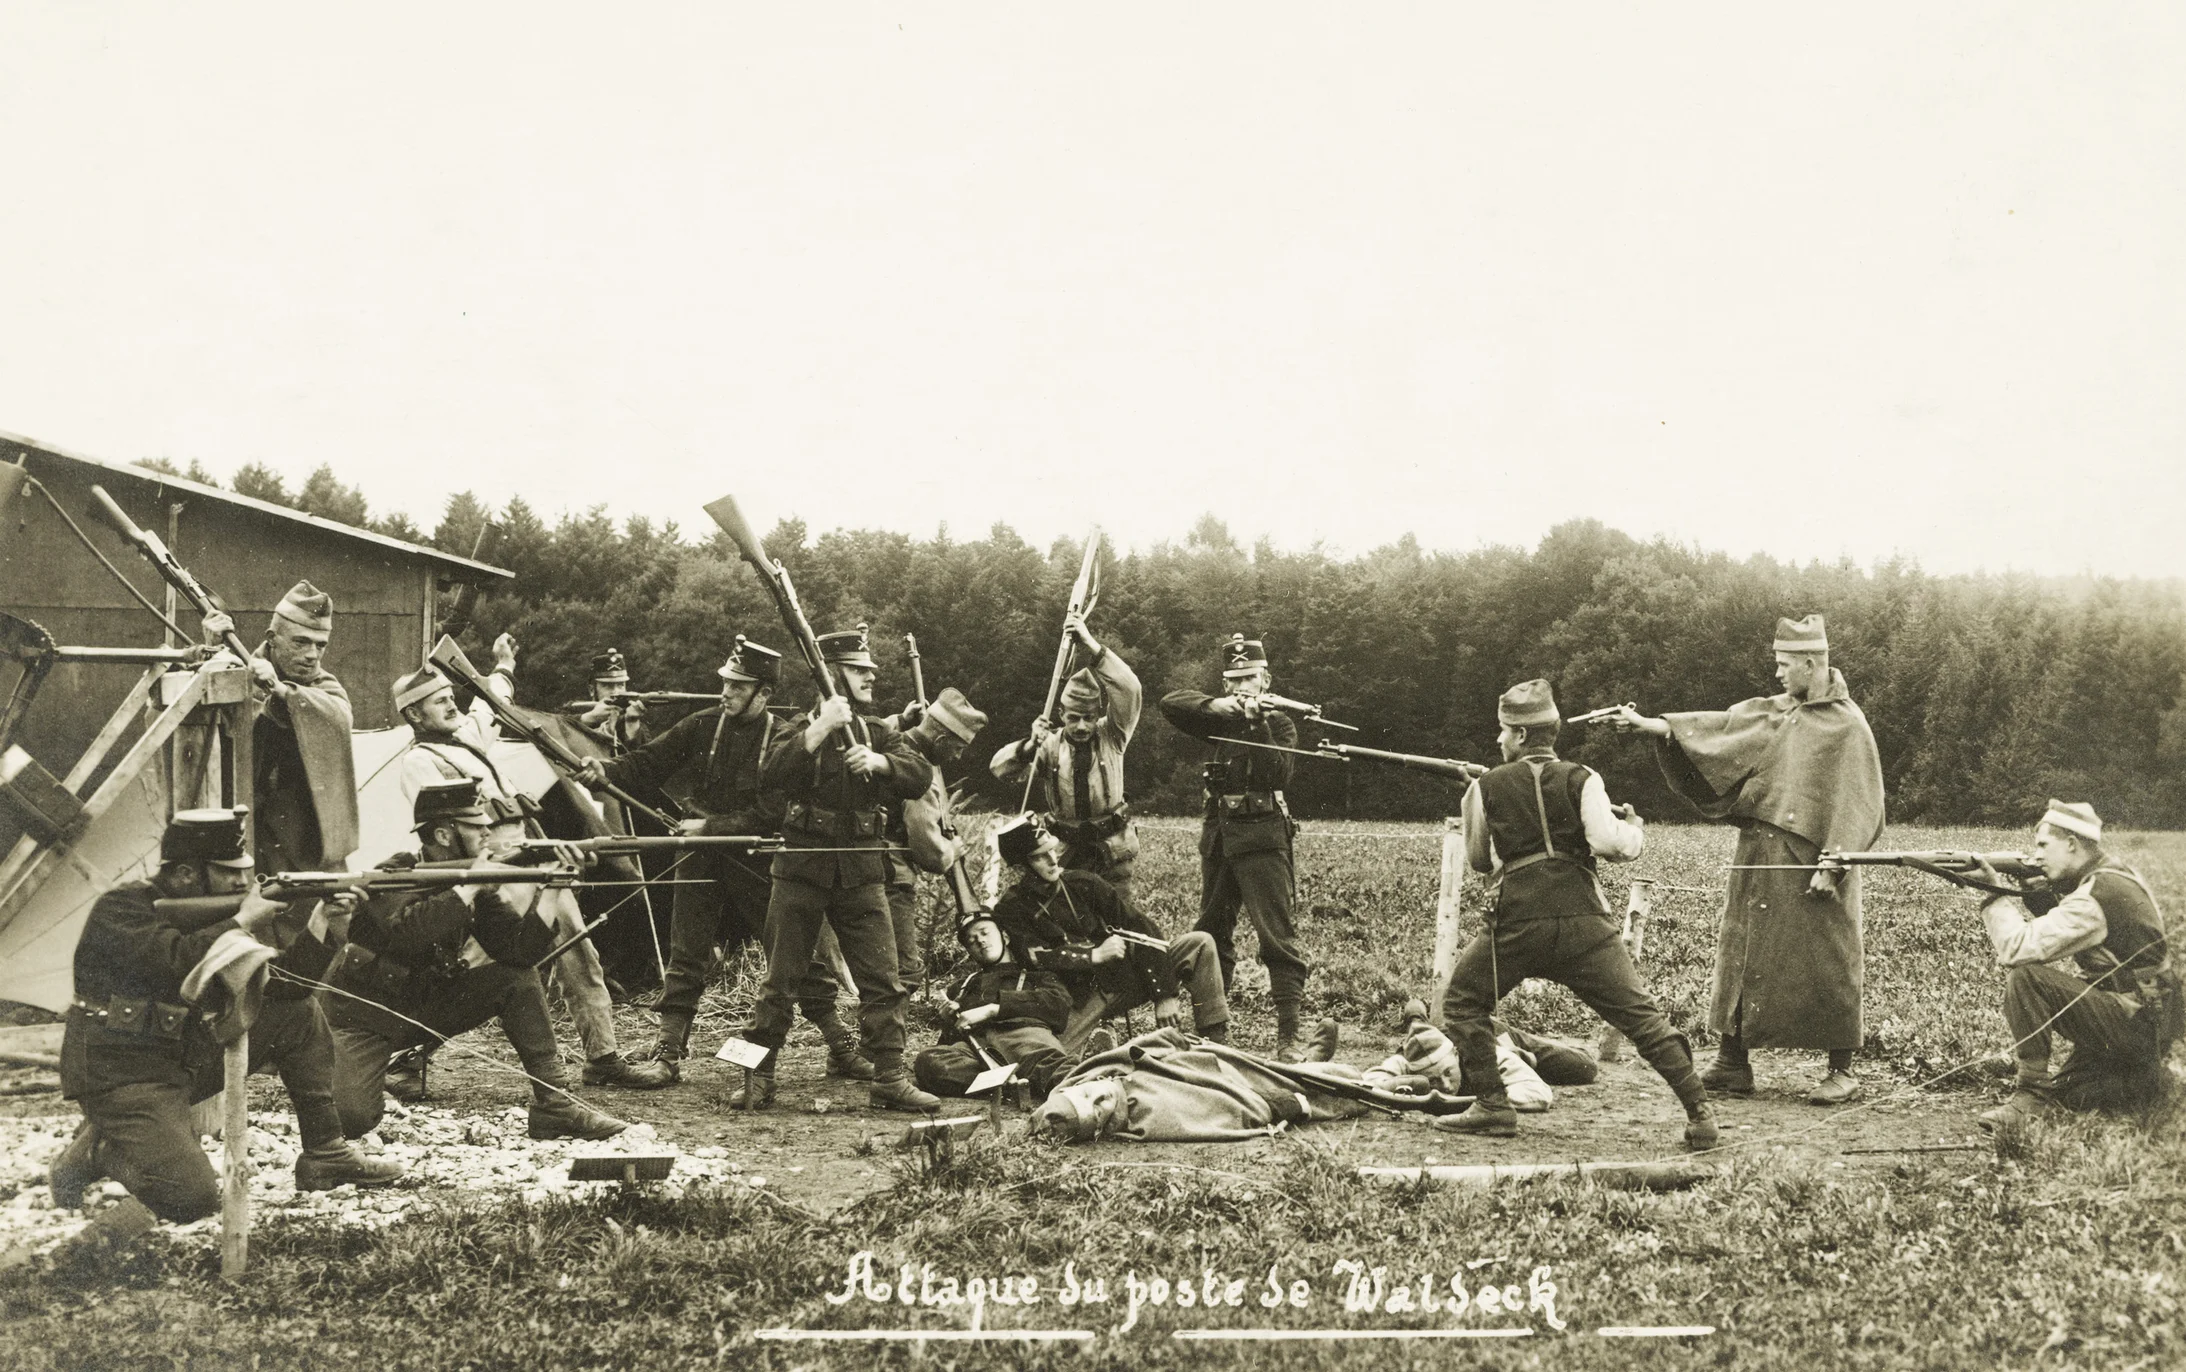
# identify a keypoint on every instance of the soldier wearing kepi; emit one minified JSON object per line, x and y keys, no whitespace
{"x":420,"y":969}
{"x":1245,"y":840}
{"x":2123,"y":1010}
{"x":1538,"y":825}
{"x":143,"y":1042}
{"x":1798,"y":774}
{"x":623,"y":726}
{"x":836,"y":769}
{"x":1079,"y":767}
{"x":716,"y":753}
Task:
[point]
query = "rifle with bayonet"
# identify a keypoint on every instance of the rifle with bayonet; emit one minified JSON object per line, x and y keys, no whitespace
{"x":1952,"y":865}
{"x":1085,"y":593}
{"x":191,"y":913}
{"x":1311,"y":713}
{"x":624,"y":699}
{"x":452,"y":663}
{"x":170,"y":570}
{"x":1454,"y":768}
{"x":629,"y":845}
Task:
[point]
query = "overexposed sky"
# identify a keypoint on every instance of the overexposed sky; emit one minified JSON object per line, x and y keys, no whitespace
{"x":1857,"y":280}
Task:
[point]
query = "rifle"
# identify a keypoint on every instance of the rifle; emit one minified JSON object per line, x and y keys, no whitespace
{"x":1606,"y":712}
{"x":466,"y":595}
{"x":292,"y":887}
{"x":627,"y":845}
{"x":1454,"y":768}
{"x":1159,"y":945}
{"x":1085,"y":593}
{"x":450,"y":659}
{"x":1951,"y":864}
{"x":1268,"y":701}
{"x":163,"y":562}
{"x":918,"y":672}
{"x":731,"y":519}
{"x":623,"y":699}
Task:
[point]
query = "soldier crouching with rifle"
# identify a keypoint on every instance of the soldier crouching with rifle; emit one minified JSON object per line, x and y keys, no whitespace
{"x":1537,"y":825}
{"x":2122,"y":1011}
{"x":141,"y":1044}
{"x":421,"y":968}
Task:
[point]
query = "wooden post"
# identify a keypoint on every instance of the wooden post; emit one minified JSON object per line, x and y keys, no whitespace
{"x":1446,"y":908}
{"x":1636,"y":910}
{"x":235,"y":1177}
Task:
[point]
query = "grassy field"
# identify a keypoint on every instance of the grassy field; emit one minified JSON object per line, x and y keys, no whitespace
{"x":2063,"y":1251}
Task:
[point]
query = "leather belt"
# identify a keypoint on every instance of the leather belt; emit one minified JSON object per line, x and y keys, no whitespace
{"x":846,"y":824}
{"x":1091,"y":830}
{"x":1248,"y":804}
{"x":128,"y":1015}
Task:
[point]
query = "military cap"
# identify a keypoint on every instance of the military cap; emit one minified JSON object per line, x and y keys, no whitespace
{"x":850,"y":647}
{"x":421,"y":684}
{"x":1242,"y":656}
{"x":438,"y":801}
{"x":214,"y":836}
{"x":1801,"y":635}
{"x":1527,"y":703}
{"x":1022,"y":837}
{"x":952,"y":711}
{"x":609,"y":666}
{"x":1084,"y":692}
{"x":750,"y":662}
{"x":307,"y":605}
{"x":2078,"y":819}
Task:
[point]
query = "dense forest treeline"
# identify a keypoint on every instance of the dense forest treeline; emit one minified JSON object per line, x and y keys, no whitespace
{"x":1987,"y":694}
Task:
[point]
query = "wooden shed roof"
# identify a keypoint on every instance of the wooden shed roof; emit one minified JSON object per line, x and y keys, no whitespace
{"x":451,"y":566}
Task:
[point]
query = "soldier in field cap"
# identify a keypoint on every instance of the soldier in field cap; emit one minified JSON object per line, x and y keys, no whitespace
{"x":940,"y":734}
{"x":715,"y":753}
{"x":1079,"y":767}
{"x":2121,"y":1007}
{"x":1537,"y":826}
{"x":1245,"y":839}
{"x":1798,"y":773}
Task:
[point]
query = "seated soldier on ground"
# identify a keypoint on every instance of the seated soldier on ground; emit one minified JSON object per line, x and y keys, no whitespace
{"x":1007,"y":1010}
{"x":143,"y":1042}
{"x":2123,"y":1010}
{"x":421,"y":968}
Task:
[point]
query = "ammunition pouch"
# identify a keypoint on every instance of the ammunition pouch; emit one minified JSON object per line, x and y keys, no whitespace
{"x":1248,"y":804}
{"x":374,"y":976}
{"x":849,"y":825}
{"x":1087,"y":832}
{"x":1215,"y":776}
{"x":150,"y":1019}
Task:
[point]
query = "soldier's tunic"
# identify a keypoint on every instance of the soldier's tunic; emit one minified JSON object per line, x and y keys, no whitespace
{"x":826,"y":805}
{"x":135,"y":1056}
{"x":1796,"y":777}
{"x":902,"y":894}
{"x":718,"y":760}
{"x":304,"y":782}
{"x":420,"y":969}
{"x":2121,"y":1013}
{"x":1538,"y":826}
{"x":1081,"y":783}
{"x":1245,"y":838}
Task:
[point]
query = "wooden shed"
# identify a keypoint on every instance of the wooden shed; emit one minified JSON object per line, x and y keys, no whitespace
{"x":246,"y":551}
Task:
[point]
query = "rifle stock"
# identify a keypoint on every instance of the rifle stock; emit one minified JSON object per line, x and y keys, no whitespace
{"x":163,"y":561}
{"x":726,"y":513}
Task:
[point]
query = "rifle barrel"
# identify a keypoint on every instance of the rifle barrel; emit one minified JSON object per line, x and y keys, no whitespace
{"x":1438,"y":766}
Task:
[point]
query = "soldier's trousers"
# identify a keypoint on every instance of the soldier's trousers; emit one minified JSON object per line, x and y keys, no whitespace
{"x":2116,"y":1062}
{"x":796,"y":913}
{"x":1260,"y":884}
{"x":822,"y":988}
{"x":578,"y":977}
{"x":145,"y":1139}
{"x":1584,"y":952}
{"x":726,"y":909}
{"x":946,"y":1069}
{"x":365,"y":1038}
{"x":1198,"y":971}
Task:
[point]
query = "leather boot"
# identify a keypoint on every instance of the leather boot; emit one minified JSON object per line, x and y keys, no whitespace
{"x":843,"y":1057}
{"x":1286,"y":1030}
{"x":406,"y":1075}
{"x":756,"y":1092}
{"x":1217,"y":1032}
{"x":325,"y":1166}
{"x":1700,"y":1131}
{"x":616,"y":1069}
{"x":1489,"y":1116}
{"x":675,"y":1039}
{"x":76,"y":1168}
{"x":559,"y":1115}
{"x":1326,"y":1034}
{"x":897,"y":1091}
{"x":1728,"y":1077}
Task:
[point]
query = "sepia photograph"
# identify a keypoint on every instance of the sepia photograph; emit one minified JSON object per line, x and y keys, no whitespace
{"x":1151,"y":688}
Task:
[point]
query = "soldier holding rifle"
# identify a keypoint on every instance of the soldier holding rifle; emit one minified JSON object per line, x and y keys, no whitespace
{"x":1245,"y":839}
{"x":621,"y":723}
{"x":1079,"y":766}
{"x":939,"y":732}
{"x":1538,"y":825}
{"x":421,"y":968}
{"x":1797,"y":773}
{"x":2122,"y":1010}
{"x":719,"y":751}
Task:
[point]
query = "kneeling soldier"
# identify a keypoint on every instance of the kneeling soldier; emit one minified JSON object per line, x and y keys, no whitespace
{"x":1008,"y":1010}
{"x":1537,"y":825}
{"x":136,"y":1054}
{"x":2122,"y":1012}
{"x":1068,"y":922}
{"x":420,"y":969}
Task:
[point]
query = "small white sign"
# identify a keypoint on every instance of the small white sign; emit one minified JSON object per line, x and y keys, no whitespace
{"x":743,"y":1052}
{"x":992,"y":1078}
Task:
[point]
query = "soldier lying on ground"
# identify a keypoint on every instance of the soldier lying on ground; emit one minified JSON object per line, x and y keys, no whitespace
{"x":1008,"y":1010}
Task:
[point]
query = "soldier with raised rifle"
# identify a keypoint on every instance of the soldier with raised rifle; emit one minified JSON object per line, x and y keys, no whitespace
{"x":449,"y":743}
{"x":836,"y":768}
{"x":2122,"y":1010}
{"x":1079,"y":767}
{"x":421,"y":968}
{"x":1538,"y":825}
{"x":1245,"y":858}
{"x":1798,"y":773}
{"x":715,"y":754}
{"x":157,"y":995}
